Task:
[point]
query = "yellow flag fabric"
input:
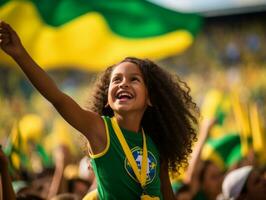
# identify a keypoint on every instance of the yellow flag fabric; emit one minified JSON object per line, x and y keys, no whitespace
{"x":93,"y":39}
{"x":242,"y":121}
{"x":258,"y":135}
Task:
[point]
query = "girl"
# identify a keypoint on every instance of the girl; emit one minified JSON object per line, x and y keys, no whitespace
{"x":139,"y":112}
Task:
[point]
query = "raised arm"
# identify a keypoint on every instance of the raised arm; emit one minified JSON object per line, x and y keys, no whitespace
{"x":88,"y":123}
{"x":191,"y":175}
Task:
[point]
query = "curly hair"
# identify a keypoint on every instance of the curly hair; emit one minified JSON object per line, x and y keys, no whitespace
{"x":171,"y":121}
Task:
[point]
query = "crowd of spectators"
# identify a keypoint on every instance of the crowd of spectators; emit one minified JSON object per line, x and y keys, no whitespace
{"x":226,"y":71}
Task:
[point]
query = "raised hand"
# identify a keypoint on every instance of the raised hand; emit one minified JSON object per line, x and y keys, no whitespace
{"x":9,"y":40}
{"x":88,"y":123}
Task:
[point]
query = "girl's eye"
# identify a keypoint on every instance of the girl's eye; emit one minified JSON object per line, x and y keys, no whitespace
{"x":116,"y":79}
{"x":135,"y":79}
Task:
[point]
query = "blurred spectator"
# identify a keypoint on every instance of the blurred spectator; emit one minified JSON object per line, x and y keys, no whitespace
{"x":204,"y":177}
{"x":232,"y":54}
{"x":244,"y":183}
{"x":210,"y":180}
{"x":181,"y":191}
{"x":253,"y":42}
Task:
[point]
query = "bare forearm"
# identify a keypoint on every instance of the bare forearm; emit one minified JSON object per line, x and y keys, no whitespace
{"x":8,"y":192}
{"x":37,"y":76}
{"x":57,"y":179}
{"x":55,"y":185}
{"x":195,"y":157}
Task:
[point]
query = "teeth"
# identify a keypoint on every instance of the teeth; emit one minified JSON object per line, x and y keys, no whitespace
{"x":124,"y":94}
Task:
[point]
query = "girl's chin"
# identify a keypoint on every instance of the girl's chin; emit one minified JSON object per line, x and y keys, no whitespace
{"x":123,"y":108}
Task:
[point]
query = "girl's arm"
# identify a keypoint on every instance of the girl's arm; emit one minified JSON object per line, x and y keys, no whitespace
{"x":88,"y":123}
{"x":166,"y":187}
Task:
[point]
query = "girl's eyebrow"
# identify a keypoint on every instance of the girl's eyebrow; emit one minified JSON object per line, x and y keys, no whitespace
{"x":132,"y":74}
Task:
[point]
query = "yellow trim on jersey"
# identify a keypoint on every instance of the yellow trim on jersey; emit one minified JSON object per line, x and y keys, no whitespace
{"x":98,"y":155}
{"x":93,"y":195}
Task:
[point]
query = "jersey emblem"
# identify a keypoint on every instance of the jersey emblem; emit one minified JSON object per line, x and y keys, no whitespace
{"x":152,"y":164}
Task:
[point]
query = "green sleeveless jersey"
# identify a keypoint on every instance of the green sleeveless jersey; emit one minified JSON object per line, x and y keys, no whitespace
{"x":115,"y":177}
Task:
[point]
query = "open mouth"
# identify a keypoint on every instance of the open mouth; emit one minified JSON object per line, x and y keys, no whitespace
{"x":124,"y":95}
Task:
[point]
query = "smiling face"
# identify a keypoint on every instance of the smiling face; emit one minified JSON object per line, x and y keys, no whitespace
{"x":127,"y":91}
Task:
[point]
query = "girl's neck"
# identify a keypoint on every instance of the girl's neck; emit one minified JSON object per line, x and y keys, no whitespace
{"x":130,"y":122}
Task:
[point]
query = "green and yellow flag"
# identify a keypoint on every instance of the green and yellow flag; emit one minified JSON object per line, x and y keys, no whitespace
{"x":225,"y":151}
{"x":242,"y":121}
{"x":92,"y":34}
{"x":258,"y":134}
{"x":14,"y":149}
{"x":24,"y":139}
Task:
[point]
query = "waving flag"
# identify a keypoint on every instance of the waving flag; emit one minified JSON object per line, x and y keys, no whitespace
{"x":13,"y":150}
{"x":258,"y":133}
{"x":224,"y":151}
{"x":92,"y":34}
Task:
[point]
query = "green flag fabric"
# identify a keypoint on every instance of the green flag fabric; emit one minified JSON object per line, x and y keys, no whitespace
{"x":224,"y":151}
{"x":13,"y":150}
{"x":92,"y":34}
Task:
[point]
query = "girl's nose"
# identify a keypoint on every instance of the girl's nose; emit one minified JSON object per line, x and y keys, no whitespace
{"x":124,"y":84}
